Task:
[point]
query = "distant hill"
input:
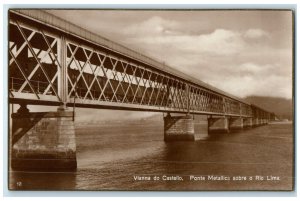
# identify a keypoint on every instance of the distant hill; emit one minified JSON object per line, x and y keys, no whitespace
{"x":283,"y":108}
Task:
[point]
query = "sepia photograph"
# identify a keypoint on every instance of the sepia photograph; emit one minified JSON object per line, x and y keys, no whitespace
{"x":151,"y":99}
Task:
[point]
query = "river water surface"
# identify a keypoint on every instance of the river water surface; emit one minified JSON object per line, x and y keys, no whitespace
{"x":113,"y":157}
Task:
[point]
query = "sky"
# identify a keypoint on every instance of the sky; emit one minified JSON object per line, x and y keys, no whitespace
{"x":241,"y":52}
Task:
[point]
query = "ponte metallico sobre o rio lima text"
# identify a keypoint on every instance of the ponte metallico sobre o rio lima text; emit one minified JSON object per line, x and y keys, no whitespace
{"x":56,"y":63}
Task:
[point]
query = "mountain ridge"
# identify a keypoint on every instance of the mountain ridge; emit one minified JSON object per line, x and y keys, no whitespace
{"x":282,"y":107}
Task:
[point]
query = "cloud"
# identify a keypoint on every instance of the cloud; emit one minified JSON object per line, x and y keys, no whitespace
{"x":219,"y":42}
{"x":166,"y":34}
{"x":256,"y":34}
{"x":250,"y":68}
{"x":223,"y":58}
{"x":248,"y":85}
{"x":247,"y":79}
{"x":255,"y":69}
{"x":152,"y":26}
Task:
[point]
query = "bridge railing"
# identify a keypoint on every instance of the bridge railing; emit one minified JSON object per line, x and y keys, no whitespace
{"x":56,"y":67}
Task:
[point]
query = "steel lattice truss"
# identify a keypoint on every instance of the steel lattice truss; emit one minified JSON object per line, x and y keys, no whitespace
{"x":52,"y":67}
{"x":33,"y":64}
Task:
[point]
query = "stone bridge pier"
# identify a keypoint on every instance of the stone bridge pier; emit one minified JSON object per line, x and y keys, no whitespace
{"x":46,"y":140}
{"x":248,"y":122}
{"x":43,"y":140}
{"x":179,"y":128}
{"x":182,"y":128}
{"x":236,"y":123}
{"x":218,"y":124}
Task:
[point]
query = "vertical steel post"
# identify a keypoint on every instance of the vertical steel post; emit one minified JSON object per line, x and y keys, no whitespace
{"x":62,"y":73}
{"x":224,"y":105}
{"x":187,"y":89}
{"x":241,"y":109}
{"x":168,"y":95}
{"x":12,"y":84}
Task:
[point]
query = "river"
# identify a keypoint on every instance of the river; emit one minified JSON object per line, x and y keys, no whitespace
{"x":133,"y":156}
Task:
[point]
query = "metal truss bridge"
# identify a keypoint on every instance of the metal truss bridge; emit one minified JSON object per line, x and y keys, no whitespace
{"x":53,"y":62}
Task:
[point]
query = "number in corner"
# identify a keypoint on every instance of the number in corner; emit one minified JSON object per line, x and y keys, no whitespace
{"x":19,"y":184}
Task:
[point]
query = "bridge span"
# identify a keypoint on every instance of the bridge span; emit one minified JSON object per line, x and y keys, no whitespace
{"x":54,"y":62}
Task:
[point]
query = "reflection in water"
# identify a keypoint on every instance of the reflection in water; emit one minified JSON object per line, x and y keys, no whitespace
{"x":109,"y":158}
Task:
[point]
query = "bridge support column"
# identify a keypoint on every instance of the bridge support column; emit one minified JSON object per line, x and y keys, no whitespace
{"x":218,"y":125}
{"x":247,"y":122}
{"x":43,"y":140}
{"x":179,"y":128}
{"x":261,"y":121}
{"x":236,"y":123}
{"x":256,"y":122}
